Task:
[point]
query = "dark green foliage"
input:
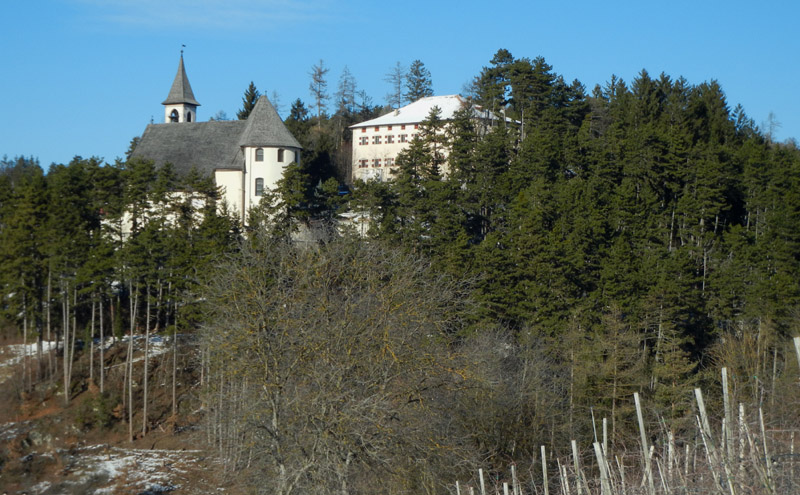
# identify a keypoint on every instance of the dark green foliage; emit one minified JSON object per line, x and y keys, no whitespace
{"x":418,"y":82}
{"x":648,"y":215}
{"x":627,"y":240}
{"x":251,"y":96}
{"x":96,"y":412}
{"x":288,"y":206}
{"x":298,"y":122}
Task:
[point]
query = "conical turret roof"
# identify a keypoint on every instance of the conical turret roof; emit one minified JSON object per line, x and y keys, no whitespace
{"x":265,"y":128}
{"x":181,"y":91}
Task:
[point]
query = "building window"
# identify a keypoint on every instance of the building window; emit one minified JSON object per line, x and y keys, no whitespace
{"x":364,"y":140}
{"x":388,"y":128}
{"x":376,"y":162}
{"x":403,"y":127}
{"x":260,"y":155}
{"x":280,"y":155}
{"x":362,"y":164}
{"x":188,"y":116}
{"x":389,"y":139}
{"x":377,"y":128}
{"x":259,"y":187}
{"x":389,"y":162}
{"x":376,"y":140}
{"x":363,"y":129}
{"x":173,"y":116}
{"x":403,"y":138}
{"x":416,"y":126}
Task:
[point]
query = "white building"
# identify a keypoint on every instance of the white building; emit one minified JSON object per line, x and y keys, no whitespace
{"x":245,"y":157}
{"x":377,"y":142}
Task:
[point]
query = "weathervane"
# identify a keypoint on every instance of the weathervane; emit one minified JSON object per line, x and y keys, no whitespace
{"x":182,"y":47}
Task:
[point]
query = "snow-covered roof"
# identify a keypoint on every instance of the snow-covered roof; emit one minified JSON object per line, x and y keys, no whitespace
{"x":418,"y":111}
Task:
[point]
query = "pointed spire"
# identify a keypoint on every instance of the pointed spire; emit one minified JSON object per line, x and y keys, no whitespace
{"x":265,"y":128}
{"x":181,"y":91}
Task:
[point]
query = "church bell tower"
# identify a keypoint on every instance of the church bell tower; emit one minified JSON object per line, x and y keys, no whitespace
{"x":180,"y":105}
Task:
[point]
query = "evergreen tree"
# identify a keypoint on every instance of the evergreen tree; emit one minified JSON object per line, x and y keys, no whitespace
{"x":491,"y":86}
{"x":24,"y":249}
{"x":418,"y":82}
{"x":298,"y":122}
{"x":282,"y":210}
{"x":251,"y":96}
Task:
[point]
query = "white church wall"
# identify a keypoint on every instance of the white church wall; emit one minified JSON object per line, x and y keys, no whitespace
{"x":270,"y":170}
{"x":231,"y":183}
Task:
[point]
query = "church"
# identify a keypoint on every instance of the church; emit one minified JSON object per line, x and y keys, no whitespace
{"x":246,"y":158}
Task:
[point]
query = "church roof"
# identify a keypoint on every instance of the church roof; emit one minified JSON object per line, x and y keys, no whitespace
{"x":181,"y":90}
{"x":206,"y":146}
{"x":265,"y":128}
{"x":214,"y":145}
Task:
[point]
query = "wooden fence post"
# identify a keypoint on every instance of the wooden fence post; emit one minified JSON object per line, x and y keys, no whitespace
{"x":605,"y":485}
{"x":797,"y":349}
{"x":544,"y":471}
{"x":645,"y":449}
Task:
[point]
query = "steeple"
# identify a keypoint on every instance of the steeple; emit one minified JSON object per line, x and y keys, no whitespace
{"x":180,"y":105}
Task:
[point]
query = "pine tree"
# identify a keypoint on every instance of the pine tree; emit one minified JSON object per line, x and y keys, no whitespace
{"x":491,"y":86}
{"x":251,"y":96}
{"x":418,"y":82}
{"x":282,"y":210}
{"x":298,"y":122}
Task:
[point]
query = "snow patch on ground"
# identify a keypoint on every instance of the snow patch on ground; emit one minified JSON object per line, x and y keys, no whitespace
{"x":10,"y":431}
{"x":14,"y":353}
{"x":133,"y":470}
{"x":158,"y":345}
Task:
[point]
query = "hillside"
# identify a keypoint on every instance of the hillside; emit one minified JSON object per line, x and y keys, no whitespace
{"x":47,"y":447}
{"x":576,"y":272}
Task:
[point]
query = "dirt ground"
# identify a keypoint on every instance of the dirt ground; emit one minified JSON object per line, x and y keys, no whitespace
{"x":48,"y":447}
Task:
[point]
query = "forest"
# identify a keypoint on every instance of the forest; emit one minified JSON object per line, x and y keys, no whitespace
{"x":632,"y":239}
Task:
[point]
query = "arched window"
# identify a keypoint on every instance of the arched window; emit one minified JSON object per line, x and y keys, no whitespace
{"x":259,"y":187}
{"x":188,"y":116}
{"x":280,"y":156}
{"x":173,"y":116}
{"x":260,"y":155}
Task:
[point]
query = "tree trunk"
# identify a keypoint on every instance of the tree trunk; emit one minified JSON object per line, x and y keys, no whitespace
{"x":65,"y":338}
{"x":49,"y":354}
{"x":91,"y":343}
{"x":74,"y":331}
{"x":134,"y":302}
{"x":24,"y":339}
{"x":146,"y":361}
{"x":159,"y":301}
{"x":39,"y":346}
{"x":174,"y":362}
{"x":102,"y":349}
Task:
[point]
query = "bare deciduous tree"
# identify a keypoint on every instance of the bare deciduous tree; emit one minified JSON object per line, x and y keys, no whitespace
{"x":332,"y":367}
{"x":319,"y":88}
{"x":396,"y":78}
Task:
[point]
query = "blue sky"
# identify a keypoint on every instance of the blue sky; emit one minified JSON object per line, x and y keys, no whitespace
{"x":83,"y":77}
